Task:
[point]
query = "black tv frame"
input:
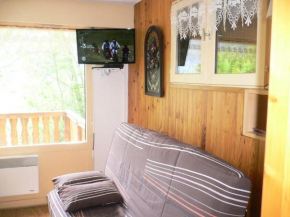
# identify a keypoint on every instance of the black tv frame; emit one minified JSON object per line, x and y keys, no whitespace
{"x":109,"y":64}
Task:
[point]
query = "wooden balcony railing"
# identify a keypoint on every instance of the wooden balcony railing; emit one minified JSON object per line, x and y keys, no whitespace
{"x":41,"y":127}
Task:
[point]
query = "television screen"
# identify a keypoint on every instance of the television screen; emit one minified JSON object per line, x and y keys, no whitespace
{"x":100,"y":46}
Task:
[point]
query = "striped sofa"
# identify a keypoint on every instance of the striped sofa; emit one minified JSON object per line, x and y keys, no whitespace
{"x":159,"y":176}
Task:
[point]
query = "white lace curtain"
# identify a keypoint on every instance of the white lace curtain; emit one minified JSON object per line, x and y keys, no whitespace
{"x":190,"y":18}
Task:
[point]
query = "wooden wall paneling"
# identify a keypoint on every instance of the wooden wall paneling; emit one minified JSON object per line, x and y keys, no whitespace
{"x":137,"y":68}
{"x":144,"y":108}
{"x":166,"y":114}
{"x":179,"y":129}
{"x":209,"y":118}
{"x":176,"y":103}
{"x":150,"y":106}
{"x":151,"y":10}
{"x":222,"y":146}
{"x":166,"y":45}
{"x":178,"y":126}
{"x":166,"y":30}
{"x":209,"y":122}
{"x":240,"y":112}
{"x":171,"y":129}
{"x":193,"y":119}
{"x":204,"y":118}
{"x":198,"y":118}
{"x":184,"y":115}
{"x":155,"y":115}
{"x":187,"y":135}
{"x":276,"y":189}
{"x":258,"y":187}
{"x":170,"y":99}
{"x":180,"y":115}
{"x":182,"y":104}
{"x":230,"y":123}
{"x":172,"y":119}
{"x":135,"y":96}
{"x":268,"y":51}
{"x":250,"y":163}
{"x":160,"y":102}
{"x":134,"y":67}
{"x":156,"y":119}
{"x":219,"y":117}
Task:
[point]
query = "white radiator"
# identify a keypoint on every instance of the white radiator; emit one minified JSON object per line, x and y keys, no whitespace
{"x":18,"y":175}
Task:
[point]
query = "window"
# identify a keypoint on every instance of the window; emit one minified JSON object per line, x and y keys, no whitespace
{"x":225,"y":57}
{"x":189,"y":50}
{"x":236,"y":49}
{"x":42,"y":87}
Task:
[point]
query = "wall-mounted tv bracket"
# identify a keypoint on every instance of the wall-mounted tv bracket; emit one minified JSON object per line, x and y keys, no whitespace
{"x":109,"y":66}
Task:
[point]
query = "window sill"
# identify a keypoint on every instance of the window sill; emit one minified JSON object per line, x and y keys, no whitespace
{"x":25,"y":149}
{"x":207,"y":87}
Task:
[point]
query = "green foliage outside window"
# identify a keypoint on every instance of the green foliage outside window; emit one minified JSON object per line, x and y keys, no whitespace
{"x":39,"y":71}
{"x":236,"y":62}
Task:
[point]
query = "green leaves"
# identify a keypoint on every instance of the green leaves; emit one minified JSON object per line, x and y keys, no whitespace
{"x":236,"y":62}
{"x":40,"y":67}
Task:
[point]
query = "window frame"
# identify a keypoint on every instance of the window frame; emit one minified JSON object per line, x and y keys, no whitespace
{"x":86,"y":144}
{"x":193,"y":78}
{"x":208,"y":55}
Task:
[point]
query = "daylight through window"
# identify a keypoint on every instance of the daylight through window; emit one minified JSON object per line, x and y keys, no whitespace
{"x":42,"y":87}
{"x":218,"y":43}
{"x":236,"y":49}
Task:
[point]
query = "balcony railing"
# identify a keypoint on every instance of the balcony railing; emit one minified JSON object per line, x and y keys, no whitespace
{"x":41,"y":127}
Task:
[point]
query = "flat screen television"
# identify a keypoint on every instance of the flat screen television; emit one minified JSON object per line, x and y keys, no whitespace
{"x":102,"y":46}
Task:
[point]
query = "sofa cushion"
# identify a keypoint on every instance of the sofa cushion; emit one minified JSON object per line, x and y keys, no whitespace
{"x":80,"y":178}
{"x":56,"y":209}
{"x":89,"y":195}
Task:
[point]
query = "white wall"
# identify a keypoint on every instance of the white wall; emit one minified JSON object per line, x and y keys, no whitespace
{"x":60,"y":159}
{"x":110,"y":99}
{"x":66,"y":13}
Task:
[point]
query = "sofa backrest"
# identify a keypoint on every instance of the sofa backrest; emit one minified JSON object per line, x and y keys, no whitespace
{"x":163,"y":177}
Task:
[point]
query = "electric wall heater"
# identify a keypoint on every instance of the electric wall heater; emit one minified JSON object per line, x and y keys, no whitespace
{"x":19,"y":175}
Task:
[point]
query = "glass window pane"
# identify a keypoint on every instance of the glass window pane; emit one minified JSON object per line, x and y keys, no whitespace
{"x":189,"y":58}
{"x":236,"y":49}
{"x":189,"y":49}
{"x":41,"y":79}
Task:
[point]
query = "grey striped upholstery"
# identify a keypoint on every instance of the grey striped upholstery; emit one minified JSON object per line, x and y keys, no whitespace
{"x":80,"y":178}
{"x":89,"y":195}
{"x":56,"y":209}
{"x":159,"y":176}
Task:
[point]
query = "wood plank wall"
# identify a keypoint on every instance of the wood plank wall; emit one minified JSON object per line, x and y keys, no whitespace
{"x":210,"y":118}
{"x":276,"y":194}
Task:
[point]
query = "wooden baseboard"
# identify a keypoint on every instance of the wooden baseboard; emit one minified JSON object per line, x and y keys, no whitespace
{"x":23,"y":203}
